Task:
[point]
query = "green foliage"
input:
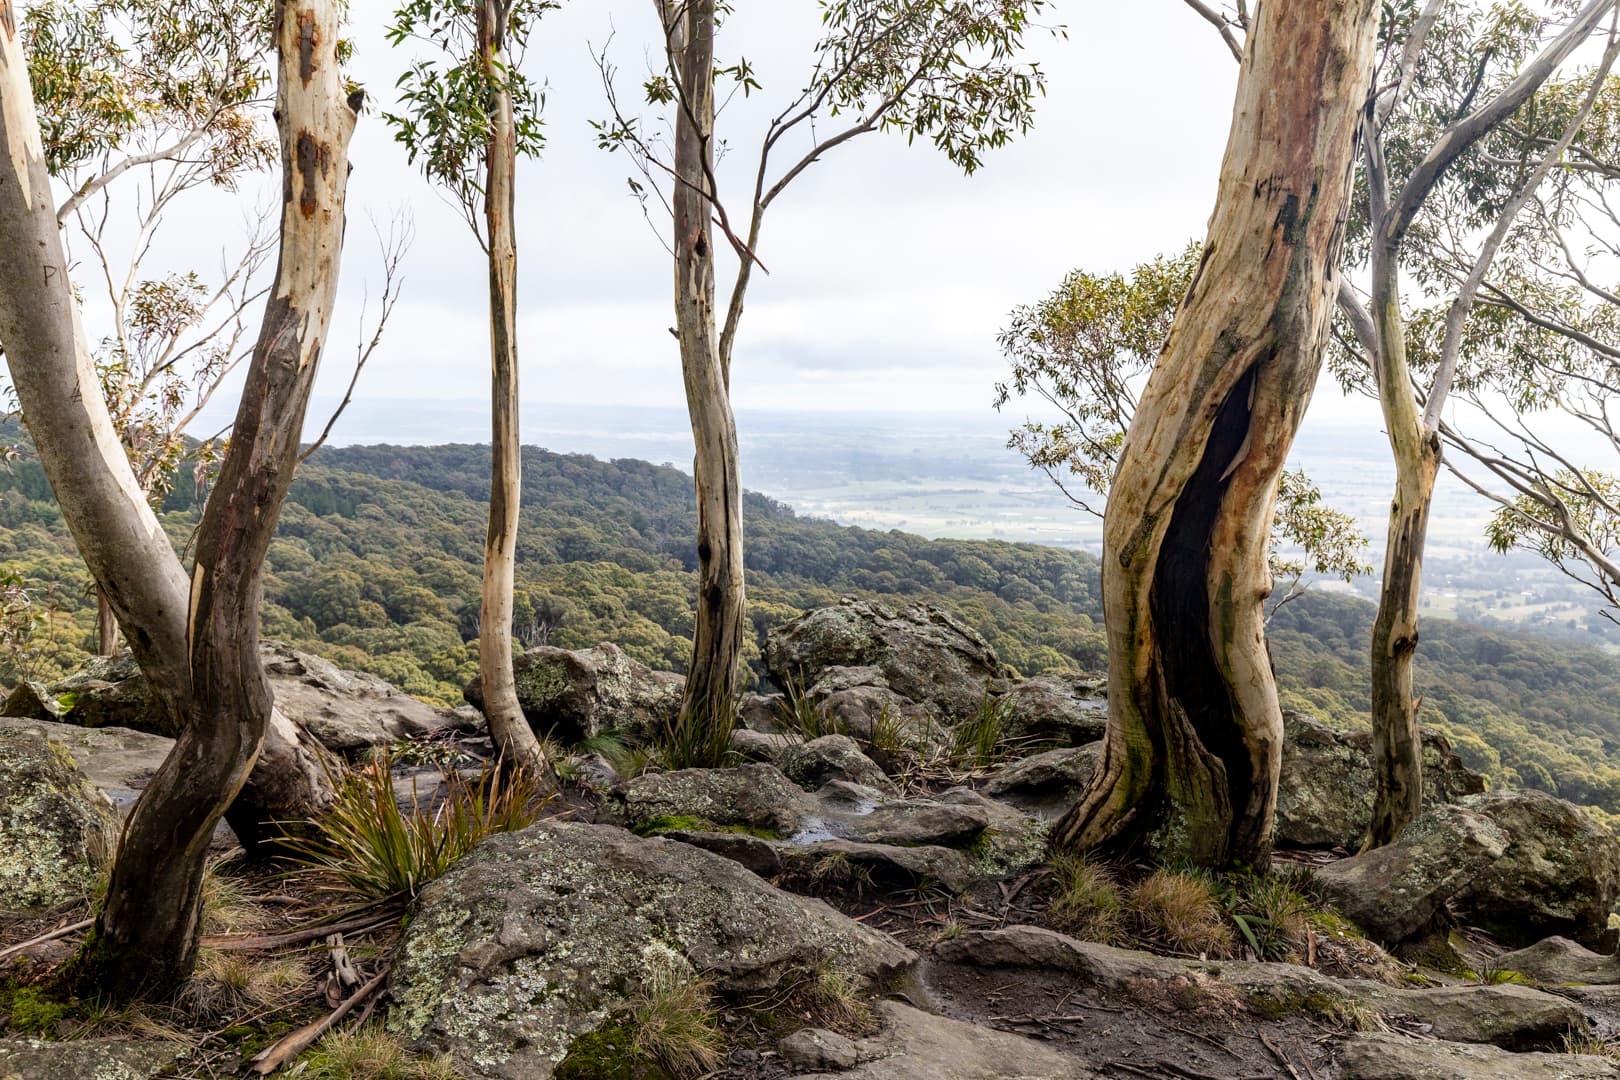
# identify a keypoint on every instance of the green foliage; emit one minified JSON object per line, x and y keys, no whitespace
{"x":368,"y":847}
{"x":801,"y":717}
{"x":1086,"y":900}
{"x":1086,"y":350}
{"x":449,"y":100}
{"x":981,"y":738}
{"x":697,"y":737}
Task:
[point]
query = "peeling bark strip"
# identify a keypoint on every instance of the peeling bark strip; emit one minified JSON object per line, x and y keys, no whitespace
{"x":8,"y":19}
{"x":1194,"y":730}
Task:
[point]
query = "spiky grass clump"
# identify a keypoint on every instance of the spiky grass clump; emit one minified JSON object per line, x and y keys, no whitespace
{"x":797,"y":715}
{"x":698,"y":736}
{"x":369,"y":1053}
{"x":371,"y":848}
{"x":982,"y":737}
{"x":1086,"y":900}
{"x":1272,"y":915}
{"x":674,"y":1024}
{"x":1180,"y":911}
{"x":626,"y":760}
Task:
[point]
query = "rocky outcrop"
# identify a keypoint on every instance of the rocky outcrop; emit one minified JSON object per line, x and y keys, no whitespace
{"x":1048,"y":783}
{"x":1558,"y":961}
{"x":574,"y":695}
{"x":117,"y":760}
{"x":1393,"y":1057}
{"x":1325,"y":792}
{"x":344,"y":710}
{"x":915,"y":1045}
{"x":1397,"y":892}
{"x":541,"y":935}
{"x":924,"y":654}
{"x":756,"y":797}
{"x":86,"y":1059}
{"x":1560,"y":874}
{"x":56,"y":829}
{"x":1060,"y":708}
{"x":831,"y":757}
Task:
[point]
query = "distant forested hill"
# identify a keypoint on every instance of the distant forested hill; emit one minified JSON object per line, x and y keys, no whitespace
{"x":377,"y":567}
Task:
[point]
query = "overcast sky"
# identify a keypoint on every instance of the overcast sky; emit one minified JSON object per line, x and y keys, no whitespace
{"x":890,"y":272}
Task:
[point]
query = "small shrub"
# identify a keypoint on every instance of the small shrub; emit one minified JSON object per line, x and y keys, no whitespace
{"x":367,"y":846}
{"x":368,"y":1053}
{"x":1086,"y":900}
{"x":1180,"y":911}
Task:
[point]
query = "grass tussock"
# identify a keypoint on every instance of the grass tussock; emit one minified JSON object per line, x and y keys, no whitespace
{"x":1181,"y":912}
{"x":981,"y":738}
{"x":231,"y":984}
{"x":674,"y":1024}
{"x":371,"y":848}
{"x":368,"y":1053}
{"x":1086,"y":901}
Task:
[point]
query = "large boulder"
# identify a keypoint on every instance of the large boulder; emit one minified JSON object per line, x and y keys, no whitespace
{"x":1325,"y":792}
{"x":1060,"y":708}
{"x":86,"y":1059}
{"x":1559,"y":876}
{"x":916,"y":1045}
{"x":541,"y":935}
{"x":1048,"y":783}
{"x":56,"y":829}
{"x":750,"y":797}
{"x":1399,"y":891}
{"x":831,"y":757}
{"x":574,"y":695}
{"x":117,"y":760}
{"x":344,"y":710}
{"x":924,"y":654}
{"x":1558,"y":961}
{"x":1382,"y":1056}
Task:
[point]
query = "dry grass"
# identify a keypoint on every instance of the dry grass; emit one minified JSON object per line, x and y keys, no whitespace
{"x":1181,"y":912}
{"x":231,"y":984}
{"x":368,"y":1053}
{"x":1087,"y":900}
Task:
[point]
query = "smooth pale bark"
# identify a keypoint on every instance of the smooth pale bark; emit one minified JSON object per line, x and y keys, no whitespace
{"x":1414,"y":437}
{"x":196,"y":639}
{"x":1194,"y":730}
{"x":507,"y":725}
{"x":717,"y":638}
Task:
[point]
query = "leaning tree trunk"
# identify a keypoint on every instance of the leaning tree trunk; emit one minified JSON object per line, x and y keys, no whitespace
{"x":1194,"y":730}
{"x":717,"y":639}
{"x":1396,"y":740}
{"x":508,"y":727}
{"x":197,"y":640}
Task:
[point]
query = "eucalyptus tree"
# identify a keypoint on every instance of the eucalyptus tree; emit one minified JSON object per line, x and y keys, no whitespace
{"x":1453,"y":80}
{"x":1081,"y":355}
{"x":469,"y":114}
{"x":946,"y":71}
{"x":195,"y":635}
{"x":1194,"y":742}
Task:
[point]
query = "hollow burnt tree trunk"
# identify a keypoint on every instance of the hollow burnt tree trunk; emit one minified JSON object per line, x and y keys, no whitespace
{"x":508,"y":727}
{"x":196,"y":640}
{"x":1195,"y":732}
{"x":717,"y":639}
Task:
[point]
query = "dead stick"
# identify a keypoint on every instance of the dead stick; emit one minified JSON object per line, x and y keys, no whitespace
{"x":290,"y":1046}
{"x":296,"y":937}
{"x":61,"y":931}
{"x":1282,"y":1058}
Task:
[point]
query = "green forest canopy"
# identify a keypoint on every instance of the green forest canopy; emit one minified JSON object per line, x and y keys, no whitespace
{"x":376,"y":567}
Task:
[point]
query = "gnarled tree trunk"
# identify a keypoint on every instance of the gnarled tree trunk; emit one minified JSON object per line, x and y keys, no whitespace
{"x":196,"y":639}
{"x":717,"y":639}
{"x":1194,"y":732}
{"x":507,"y":725}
